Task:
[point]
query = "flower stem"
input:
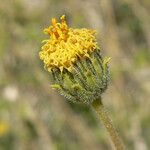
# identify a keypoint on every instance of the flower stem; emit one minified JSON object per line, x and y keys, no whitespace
{"x":103,"y":115}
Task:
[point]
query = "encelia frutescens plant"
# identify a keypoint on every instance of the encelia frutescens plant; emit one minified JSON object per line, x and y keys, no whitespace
{"x":79,"y":72}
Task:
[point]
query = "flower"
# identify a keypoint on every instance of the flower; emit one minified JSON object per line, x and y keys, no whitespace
{"x":4,"y":128}
{"x":65,"y":45}
{"x":73,"y":58}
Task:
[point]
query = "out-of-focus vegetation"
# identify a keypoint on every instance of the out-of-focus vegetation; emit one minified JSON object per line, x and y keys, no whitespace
{"x":33,"y":116}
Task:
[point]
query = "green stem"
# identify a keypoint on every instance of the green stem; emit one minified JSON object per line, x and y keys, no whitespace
{"x":100,"y":110}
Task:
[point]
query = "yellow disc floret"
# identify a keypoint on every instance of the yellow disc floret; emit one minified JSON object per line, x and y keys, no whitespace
{"x":65,"y":45}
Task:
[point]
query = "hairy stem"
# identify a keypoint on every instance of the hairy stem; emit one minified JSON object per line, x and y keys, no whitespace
{"x":103,"y":115}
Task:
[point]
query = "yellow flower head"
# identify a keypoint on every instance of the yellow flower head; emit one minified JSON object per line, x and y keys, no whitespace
{"x":65,"y":45}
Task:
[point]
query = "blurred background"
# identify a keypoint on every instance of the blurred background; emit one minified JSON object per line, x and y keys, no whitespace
{"x":35,"y":117}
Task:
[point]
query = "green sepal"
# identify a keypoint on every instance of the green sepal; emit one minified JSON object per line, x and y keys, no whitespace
{"x":56,"y":86}
{"x":105,"y":62}
{"x":76,"y":87}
